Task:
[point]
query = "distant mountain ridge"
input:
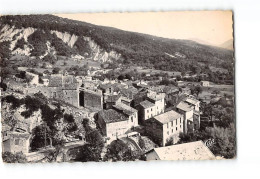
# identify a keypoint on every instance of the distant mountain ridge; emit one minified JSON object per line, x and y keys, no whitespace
{"x":44,"y":35}
{"x":228,"y":45}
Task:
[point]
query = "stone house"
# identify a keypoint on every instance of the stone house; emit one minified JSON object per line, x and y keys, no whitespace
{"x":113,"y":123}
{"x":128,"y":111}
{"x":165,"y":127}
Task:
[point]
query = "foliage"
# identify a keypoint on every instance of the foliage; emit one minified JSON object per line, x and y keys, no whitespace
{"x":38,"y":137}
{"x":169,"y":142}
{"x":56,"y":70}
{"x":4,"y":50}
{"x":119,"y":151}
{"x":91,"y":151}
{"x":20,"y":44}
{"x":9,"y":157}
{"x":15,"y":102}
{"x":196,"y":90}
{"x":49,"y":116}
{"x":224,"y":139}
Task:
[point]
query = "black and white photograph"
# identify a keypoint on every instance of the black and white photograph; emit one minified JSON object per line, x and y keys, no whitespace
{"x":108,"y":87}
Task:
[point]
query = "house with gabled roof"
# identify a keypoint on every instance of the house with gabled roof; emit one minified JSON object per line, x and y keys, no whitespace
{"x":130,"y":112}
{"x":113,"y":123}
{"x":146,"y":110}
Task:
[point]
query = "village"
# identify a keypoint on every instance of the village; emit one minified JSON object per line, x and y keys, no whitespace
{"x":149,"y":119}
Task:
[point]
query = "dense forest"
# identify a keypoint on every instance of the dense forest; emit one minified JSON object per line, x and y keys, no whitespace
{"x":135,"y":48}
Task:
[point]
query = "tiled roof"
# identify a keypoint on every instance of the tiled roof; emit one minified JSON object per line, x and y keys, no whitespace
{"x":112,"y":98}
{"x":184,"y":106}
{"x":111,"y":115}
{"x":128,"y":110}
{"x":192,"y":101}
{"x":69,"y":82}
{"x":55,"y":81}
{"x":157,"y":97}
{"x":66,"y":82}
{"x":167,"y":117}
{"x":188,"y":151}
{"x":105,"y":86}
{"x":147,"y":104}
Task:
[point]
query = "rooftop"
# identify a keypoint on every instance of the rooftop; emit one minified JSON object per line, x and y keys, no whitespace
{"x":192,"y":101}
{"x":67,"y":82}
{"x":156,"y":97}
{"x":147,"y":104}
{"x":112,"y":98}
{"x":111,"y":115}
{"x":128,"y":110}
{"x":184,"y":106}
{"x":167,"y":117}
{"x":188,"y":151}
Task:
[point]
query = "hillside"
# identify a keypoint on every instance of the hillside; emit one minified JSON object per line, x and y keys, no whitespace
{"x":228,"y":45}
{"x":48,"y":36}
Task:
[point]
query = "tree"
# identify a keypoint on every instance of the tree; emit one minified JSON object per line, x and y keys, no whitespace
{"x":92,"y":150}
{"x":169,"y":142}
{"x":41,"y":137}
{"x":216,"y":92}
{"x":56,"y":70}
{"x":196,"y":90}
{"x":9,"y":157}
{"x":119,"y":151}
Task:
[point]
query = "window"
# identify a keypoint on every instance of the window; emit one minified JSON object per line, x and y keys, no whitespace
{"x":172,"y":123}
{"x":176,"y":128}
{"x":132,"y":119}
{"x":16,"y":142}
{"x":176,"y":122}
{"x":167,"y":125}
{"x":172,"y":130}
{"x":168,"y":132}
{"x":151,"y":109}
{"x":180,"y":120}
{"x":147,"y":111}
{"x":180,"y":126}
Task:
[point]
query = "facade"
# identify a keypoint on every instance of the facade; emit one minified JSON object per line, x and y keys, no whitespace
{"x":187,"y":111}
{"x":164,"y":127}
{"x":146,"y":110}
{"x":196,"y":106}
{"x":91,"y":98}
{"x":187,"y":151}
{"x":158,"y":100}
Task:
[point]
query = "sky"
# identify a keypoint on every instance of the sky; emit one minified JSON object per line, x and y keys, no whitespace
{"x":209,"y":27}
